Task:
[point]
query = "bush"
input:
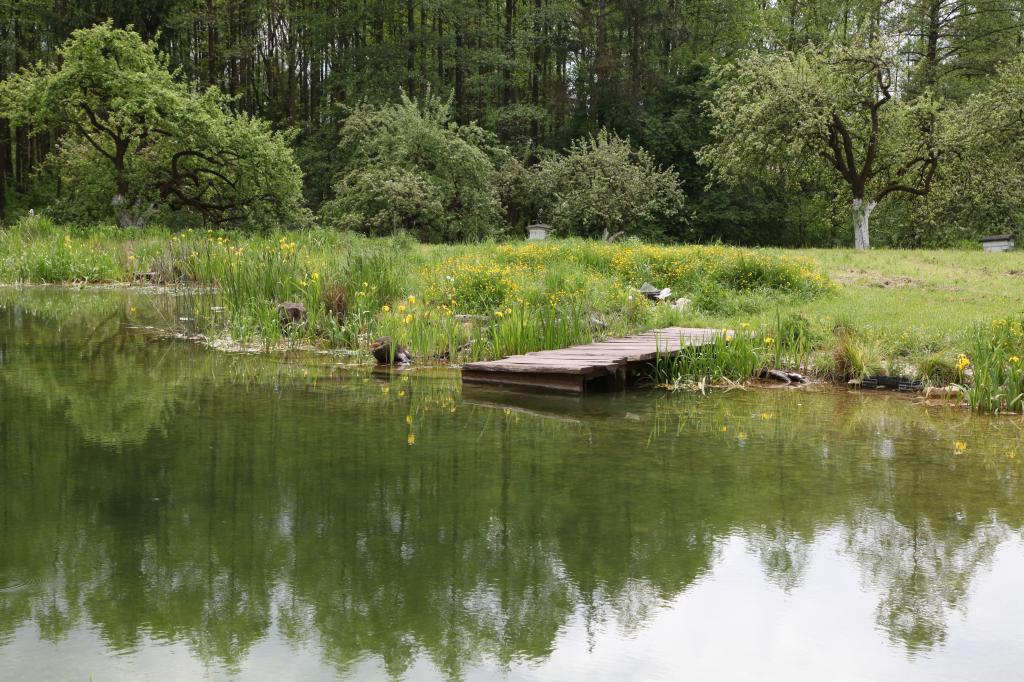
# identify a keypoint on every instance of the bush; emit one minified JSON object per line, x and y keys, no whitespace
{"x":407,"y":166}
{"x":601,"y":186}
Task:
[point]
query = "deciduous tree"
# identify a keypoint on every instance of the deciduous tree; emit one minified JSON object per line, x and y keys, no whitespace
{"x":163,"y":145}
{"x":797,"y":116}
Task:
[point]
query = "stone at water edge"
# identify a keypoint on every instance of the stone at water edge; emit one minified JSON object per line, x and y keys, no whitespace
{"x":381,"y":350}
{"x":782,"y":376}
{"x":291,"y":313}
{"x":951,"y":391}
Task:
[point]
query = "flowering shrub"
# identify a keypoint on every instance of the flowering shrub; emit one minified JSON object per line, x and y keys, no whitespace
{"x":472,"y":285}
{"x":683,"y":268}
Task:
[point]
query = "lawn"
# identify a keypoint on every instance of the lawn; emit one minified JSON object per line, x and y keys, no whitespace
{"x":917,"y":301}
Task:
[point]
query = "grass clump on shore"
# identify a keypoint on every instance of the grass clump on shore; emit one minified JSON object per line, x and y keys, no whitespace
{"x":728,"y":358}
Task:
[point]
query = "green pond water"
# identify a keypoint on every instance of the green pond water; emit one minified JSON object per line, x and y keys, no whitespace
{"x":173,"y":513}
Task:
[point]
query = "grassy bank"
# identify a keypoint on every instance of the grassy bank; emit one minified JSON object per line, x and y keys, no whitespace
{"x":837,"y":314}
{"x":445,"y":302}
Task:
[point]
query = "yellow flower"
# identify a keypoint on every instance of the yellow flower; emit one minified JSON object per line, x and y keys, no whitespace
{"x":498,"y":314}
{"x":408,"y":319}
{"x":401,"y":394}
{"x":768,"y":340}
{"x":366,"y":284}
{"x":412,"y":299}
{"x":411,"y":440}
{"x":959,"y":447}
{"x":408,"y":419}
{"x":401,"y":308}
{"x":1015,"y":359}
{"x":386,"y":308}
{"x":315,"y":276}
{"x":384,"y":389}
{"x":962,"y":362}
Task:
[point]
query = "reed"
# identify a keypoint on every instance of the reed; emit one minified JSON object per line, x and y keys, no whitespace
{"x":729,"y":358}
{"x":992,"y":368}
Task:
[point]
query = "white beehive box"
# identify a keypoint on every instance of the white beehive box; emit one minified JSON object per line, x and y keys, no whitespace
{"x":538,"y":231}
{"x":997,"y":242}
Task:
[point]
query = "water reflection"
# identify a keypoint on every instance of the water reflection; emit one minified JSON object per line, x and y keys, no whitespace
{"x":153,"y":493}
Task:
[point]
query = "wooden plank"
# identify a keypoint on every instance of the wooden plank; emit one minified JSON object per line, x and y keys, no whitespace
{"x":569,"y":361}
{"x":552,"y":382}
{"x":575,"y":366}
{"x":581,"y":356}
{"x":571,"y":369}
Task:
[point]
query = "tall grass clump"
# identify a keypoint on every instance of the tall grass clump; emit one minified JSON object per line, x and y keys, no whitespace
{"x":727,"y":358}
{"x":994,"y":366}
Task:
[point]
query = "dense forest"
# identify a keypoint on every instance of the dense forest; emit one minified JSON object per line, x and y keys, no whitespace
{"x":906,"y":96}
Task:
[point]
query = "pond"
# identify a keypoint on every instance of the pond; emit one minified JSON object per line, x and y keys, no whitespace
{"x":171,"y":512}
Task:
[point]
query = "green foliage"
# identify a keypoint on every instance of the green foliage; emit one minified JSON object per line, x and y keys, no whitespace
{"x":141,"y":144}
{"x":538,"y":76}
{"x":407,"y":166}
{"x":601,"y":187}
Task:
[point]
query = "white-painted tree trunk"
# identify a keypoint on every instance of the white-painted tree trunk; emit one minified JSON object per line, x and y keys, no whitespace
{"x":861,"y":219}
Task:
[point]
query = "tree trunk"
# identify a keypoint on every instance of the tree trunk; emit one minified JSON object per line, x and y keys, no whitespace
{"x":460,"y":93}
{"x":861,"y":216}
{"x":410,"y":47}
{"x":506,"y":72}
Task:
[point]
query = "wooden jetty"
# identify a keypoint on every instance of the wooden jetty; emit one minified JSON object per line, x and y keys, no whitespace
{"x":602,"y":365}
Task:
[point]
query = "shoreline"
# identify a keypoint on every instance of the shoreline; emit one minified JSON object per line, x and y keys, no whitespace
{"x":363,"y":359}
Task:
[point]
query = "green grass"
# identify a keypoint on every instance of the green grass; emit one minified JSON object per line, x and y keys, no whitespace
{"x":917,"y":302}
